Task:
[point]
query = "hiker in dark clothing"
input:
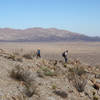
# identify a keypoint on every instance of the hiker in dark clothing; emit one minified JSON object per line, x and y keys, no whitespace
{"x":38,"y":53}
{"x":65,"y":55}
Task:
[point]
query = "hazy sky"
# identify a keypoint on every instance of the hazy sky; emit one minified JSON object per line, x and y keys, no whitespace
{"x":82,"y":16}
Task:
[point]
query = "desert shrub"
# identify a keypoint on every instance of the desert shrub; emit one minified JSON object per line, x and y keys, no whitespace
{"x":27,"y":56}
{"x":40,"y":73}
{"x":30,"y":91}
{"x":12,"y":57}
{"x":62,"y":94}
{"x":77,"y":70}
{"x":20,"y":74}
{"x":48,"y":72}
{"x":78,"y":76}
{"x":44,"y":71}
{"x":54,"y":87}
{"x":65,"y":65}
{"x":95,"y":98}
{"x":79,"y":83}
{"x":94,"y":93}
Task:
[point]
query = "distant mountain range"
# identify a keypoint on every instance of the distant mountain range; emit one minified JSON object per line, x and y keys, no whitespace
{"x":42,"y":35}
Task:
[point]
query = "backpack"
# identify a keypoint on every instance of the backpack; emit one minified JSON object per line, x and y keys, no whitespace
{"x":63,"y":54}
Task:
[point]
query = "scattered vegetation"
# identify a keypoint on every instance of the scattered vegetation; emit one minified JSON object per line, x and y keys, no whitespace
{"x":12,"y":57}
{"x":65,"y":65}
{"x":48,"y":72}
{"x":80,"y":83}
{"x":54,"y":87}
{"x":77,"y":70}
{"x":45,"y":71}
{"x":95,"y":98}
{"x":62,"y":94}
{"x":18,"y":73}
{"x":77,"y":75}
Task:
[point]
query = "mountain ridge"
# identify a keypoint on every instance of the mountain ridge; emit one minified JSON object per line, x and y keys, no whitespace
{"x":38,"y":34}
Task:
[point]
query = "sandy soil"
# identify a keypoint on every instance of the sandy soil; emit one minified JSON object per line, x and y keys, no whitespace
{"x":87,"y":52}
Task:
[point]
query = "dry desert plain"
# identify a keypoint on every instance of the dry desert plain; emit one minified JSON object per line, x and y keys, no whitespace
{"x":86,"y":52}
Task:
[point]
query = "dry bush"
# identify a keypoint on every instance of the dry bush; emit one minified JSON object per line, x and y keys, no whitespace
{"x":46,"y":71}
{"x":30,"y":91}
{"x":54,"y":87}
{"x":95,"y":98}
{"x":62,"y":94}
{"x":79,"y":83}
{"x":78,"y":76}
{"x":15,"y":57}
{"x":40,"y":73}
{"x":12,"y":57}
{"x":77,"y":70}
{"x":20,"y":74}
{"x":29,"y":55}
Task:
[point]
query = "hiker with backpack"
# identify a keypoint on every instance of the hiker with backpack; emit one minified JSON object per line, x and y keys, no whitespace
{"x":65,"y":55}
{"x":38,"y":53}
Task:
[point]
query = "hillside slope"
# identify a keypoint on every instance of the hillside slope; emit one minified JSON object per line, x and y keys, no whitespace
{"x":24,"y":77}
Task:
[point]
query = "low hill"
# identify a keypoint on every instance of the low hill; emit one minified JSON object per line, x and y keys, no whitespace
{"x":24,"y":77}
{"x":42,"y":35}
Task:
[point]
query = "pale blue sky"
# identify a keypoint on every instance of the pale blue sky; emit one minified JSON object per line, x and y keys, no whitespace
{"x":82,"y":16}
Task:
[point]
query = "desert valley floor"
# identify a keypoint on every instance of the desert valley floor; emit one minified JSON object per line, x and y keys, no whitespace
{"x":87,"y":52}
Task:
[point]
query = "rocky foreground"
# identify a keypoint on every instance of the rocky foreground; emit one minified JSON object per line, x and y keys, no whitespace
{"x":24,"y":77}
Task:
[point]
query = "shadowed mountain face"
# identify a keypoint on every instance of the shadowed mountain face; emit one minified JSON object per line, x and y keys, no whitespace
{"x":41,"y":35}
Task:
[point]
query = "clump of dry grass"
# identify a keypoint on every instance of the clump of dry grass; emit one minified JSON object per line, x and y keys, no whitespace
{"x":12,"y":57}
{"x":79,"y":83}
{"x":27,"y":56}
{"x":62,"y":94}
{"x":15,"y":57}
{"x":77,"y":70}
{"x":95,"y":98}
{"x":54,"y":87}
{"x":78,"y":76}
{"x":19,"y":73}
{"x":46,"y":71}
